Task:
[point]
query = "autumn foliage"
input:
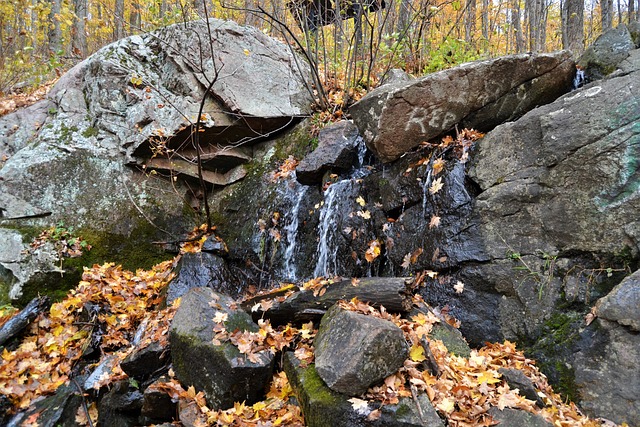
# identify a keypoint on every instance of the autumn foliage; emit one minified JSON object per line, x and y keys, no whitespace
{"x":110,"y":304}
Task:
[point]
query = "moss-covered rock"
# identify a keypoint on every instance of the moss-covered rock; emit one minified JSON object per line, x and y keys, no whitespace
{"x":323,"y":407}
{"x":219,"y":369}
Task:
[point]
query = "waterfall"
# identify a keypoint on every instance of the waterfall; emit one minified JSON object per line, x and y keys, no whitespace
{"x":578,"y":80}
{"x":426,"y":183}
{"x":294,"y":193}
{"x":326,"y":250}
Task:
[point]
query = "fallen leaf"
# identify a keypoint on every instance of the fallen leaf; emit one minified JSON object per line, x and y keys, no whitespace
{"x":220,"y":317}
{"x":438,"y":165}
{"x":373,"y":251}
{"x":435,"y":221}
{"x":459,"y":287}
{"x":436,"y":186}
{"x":406,"y":261}
{"x":508,"y":400}
{"x":360,"y":406}
{"x":417,"y":353}
{"x":447,"y":405}
{"x":364,"y":214}
{"x":361,"y":201}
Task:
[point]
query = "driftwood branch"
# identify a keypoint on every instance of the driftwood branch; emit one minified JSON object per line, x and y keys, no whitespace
{"x":20,"y":321}
{"x":391,"y":292}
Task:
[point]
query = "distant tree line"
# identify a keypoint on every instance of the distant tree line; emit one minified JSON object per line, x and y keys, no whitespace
{"x":352,"y":47}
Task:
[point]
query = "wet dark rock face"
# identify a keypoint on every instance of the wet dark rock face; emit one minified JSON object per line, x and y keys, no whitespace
{"x":530,"y":232}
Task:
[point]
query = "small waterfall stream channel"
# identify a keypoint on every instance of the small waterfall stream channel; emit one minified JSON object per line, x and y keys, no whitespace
{"x":372,"y":220}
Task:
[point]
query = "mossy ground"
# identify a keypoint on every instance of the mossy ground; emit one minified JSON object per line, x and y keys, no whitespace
{"x":133,"y":252}
{"x":559,"y":335}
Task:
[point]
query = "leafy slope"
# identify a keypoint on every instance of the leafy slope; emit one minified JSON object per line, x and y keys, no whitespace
{"x":110,"y":303}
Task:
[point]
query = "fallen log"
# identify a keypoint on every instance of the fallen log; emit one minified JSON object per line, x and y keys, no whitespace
{"x":20,"y":321}
{"x":305,"y":305}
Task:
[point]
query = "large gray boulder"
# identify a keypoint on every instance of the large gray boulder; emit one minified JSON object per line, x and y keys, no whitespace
{"x":622,"y":304}
{"x":508,"y":417}
{"x":606,"y":53}
{"x":397,"y":117}
{"x":606,"y":371}
{"x":220,"y":370}
{"x":557,"y":215}
{"x":353,"y":351}
{"x":135,"y":102}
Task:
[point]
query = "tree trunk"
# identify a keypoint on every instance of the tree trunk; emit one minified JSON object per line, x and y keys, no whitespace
{"x":250,"y":18}
{"x":163,"y":9}
{"x":517,"y":26}
{"x":79,"y":40}
{"x":35,"y":21}
{"x":631,"y":10}
{"x":536,"y":13}
{"x":485,"y":19}
{"x":135,"y":21}
{"x":55,"y":32}
{"x":118,"y":20}
{"x":199,"y":6}
{"x":573,"y":26}
{"x":404,"y":17}
{"x":606,"y":10}
{"x":470,"y":21}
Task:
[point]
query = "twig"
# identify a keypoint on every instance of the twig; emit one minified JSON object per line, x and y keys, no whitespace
{"x":84,"y":401}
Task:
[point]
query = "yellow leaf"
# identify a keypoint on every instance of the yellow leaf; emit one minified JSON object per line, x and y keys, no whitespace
{"x":438,"y":165}
{"x":361,"y":201}
{"x":487,"y":377}
{"x":417,"y":353}
{"x":246,"y":52}
{"x":373,"y":252}
{"x":447,"y":405}
{"x":258,"y":406}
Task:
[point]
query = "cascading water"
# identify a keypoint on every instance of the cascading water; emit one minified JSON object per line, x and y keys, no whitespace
{"x":578,"y":80}
{"x":326,"y":253}
{"x":294,"y":193}
{"x":336,"y":196}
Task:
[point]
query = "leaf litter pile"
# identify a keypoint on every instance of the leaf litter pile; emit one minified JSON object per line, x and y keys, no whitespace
{"x":110,"y":304}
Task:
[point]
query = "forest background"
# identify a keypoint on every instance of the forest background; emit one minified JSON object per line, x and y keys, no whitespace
{"x":40,"y":39}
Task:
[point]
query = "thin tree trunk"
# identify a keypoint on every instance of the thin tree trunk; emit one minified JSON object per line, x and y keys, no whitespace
{"x":135,"y":20}
{"x":34,"y":25}
{"x":55,"y":32}
{"x":79,"y":40}
{"x":631,"y":10}
{"x":485,"y":19}
{"x":517,"y":26}
{"x":404,"y":16}
{"x":118,"y":20}
{"x":163,"y":9}
{"x":535,"y":12}
{"x":470,"y":21}
{"x":606,"y":10}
